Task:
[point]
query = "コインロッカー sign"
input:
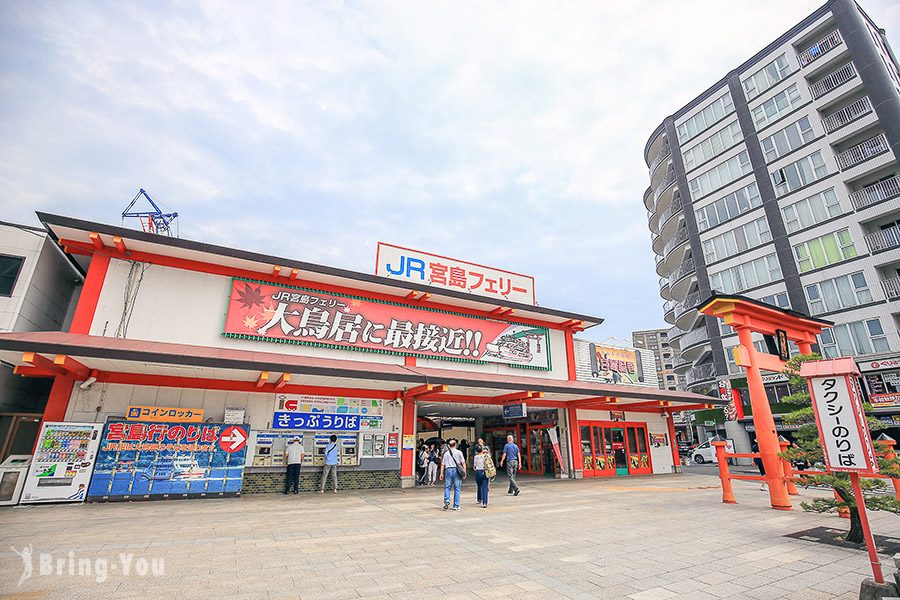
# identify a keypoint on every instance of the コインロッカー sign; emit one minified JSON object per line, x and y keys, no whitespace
{"x":286,"y":314}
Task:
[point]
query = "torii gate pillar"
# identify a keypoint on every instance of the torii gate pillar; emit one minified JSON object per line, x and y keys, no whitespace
{"x":747,"y":316}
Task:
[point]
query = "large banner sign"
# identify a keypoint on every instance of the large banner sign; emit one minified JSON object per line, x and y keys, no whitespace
{"x":169,"y":460}
{"x":616,"y":365}
{"x":286,"y":314}
{"x":396,"y":262}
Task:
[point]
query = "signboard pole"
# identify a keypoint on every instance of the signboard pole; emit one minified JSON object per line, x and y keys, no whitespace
{"x":867,"y":532}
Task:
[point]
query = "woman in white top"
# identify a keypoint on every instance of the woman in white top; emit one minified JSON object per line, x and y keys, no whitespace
{"x":482,"y":483}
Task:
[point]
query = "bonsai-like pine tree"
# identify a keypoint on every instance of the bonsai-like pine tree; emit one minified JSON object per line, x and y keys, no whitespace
{"x":808,"y":447}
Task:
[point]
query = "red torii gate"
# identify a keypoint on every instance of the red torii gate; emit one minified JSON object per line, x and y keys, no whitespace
{"x":747,"y":316}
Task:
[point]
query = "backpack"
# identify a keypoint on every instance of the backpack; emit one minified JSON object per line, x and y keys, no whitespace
{"x":489,"y":469}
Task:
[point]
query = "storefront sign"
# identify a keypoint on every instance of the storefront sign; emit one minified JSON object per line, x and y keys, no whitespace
{"x":516,"y":410}
{"x":617,"y":415}
{"x":166,"y":460}
{"x":393,"y":448}
{"x":884,"y":399}
{"x":315,"y":421}
{"x":292,"y":315}
{"x":775,"y":378}
{"x":781,"y":341}
{"x":843,"y":431}
{"x":726,"y":395}
{"x":234,"y":415}
{"x":395,"y":262}
{"x":329,"y":404}
{"x":164,"y":413}
{"x":876,"y":365}
{"x":616,"y":365}
{"x":63,"y":459}
{"x":657,"y":440}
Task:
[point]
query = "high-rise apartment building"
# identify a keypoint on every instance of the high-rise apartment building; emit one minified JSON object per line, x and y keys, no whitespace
{"x":780,"y":182}
{"x":657,"y":341}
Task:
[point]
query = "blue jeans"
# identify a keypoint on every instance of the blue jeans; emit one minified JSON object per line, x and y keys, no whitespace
{"x":483,"y":483}
{"x":452,"y":478}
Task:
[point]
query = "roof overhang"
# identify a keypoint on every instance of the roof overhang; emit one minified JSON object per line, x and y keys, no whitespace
{"x":78,"y":232}
{"x":137,"y":362}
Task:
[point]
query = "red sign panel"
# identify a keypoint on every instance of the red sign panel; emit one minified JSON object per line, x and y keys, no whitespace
{"x":287,"y":314}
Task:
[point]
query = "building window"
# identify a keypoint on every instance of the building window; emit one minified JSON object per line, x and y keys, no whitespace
{"x":853,"y":339}
{"x":798,"y":174}
{"x":790,"y":138}
{"x":720,"y":175}
{"x":766,"y":77}
{"x":825,"y":250}
{"x":712,"y":146}
{"x":777,"y":106}
{"x":753,"y":234}
{"x":779,"y":300}
{"x":728,"y":207}
{"x":812,"y":210}
{"x":705,"y":118}
{"x":841,"y":292}
{"x":9,"y":272}
{"x":747,"y":275}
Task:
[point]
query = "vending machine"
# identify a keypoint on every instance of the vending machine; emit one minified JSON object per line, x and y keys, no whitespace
{"x":63,"y":463}
{"x":12,"y":478}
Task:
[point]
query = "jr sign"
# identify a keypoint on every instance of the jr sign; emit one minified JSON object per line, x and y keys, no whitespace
{"x":395,"y":262}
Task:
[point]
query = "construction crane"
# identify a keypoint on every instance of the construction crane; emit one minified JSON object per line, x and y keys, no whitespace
{"x":152,"y":221}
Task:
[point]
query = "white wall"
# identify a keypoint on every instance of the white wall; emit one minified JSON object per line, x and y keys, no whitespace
{"x":661,"y":458}
{"x":187,"y":307}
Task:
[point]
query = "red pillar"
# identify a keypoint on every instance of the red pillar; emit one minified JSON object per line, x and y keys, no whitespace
{"x":575,"y":442}
{"x":407,"y":457}
{"x":804,"y":347}
{"x":570,"y":354}
{"x":57,"y":401}
{"x":673,"y":442}
{"x":90,"y":294}
{"x":766,"y":436}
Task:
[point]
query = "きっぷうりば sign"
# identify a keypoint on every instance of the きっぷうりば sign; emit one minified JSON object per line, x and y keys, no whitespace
{"x":842,"y":425}
{"x":315,"y":421}
{"x":395,"y":262}
{"x":285,"y":314}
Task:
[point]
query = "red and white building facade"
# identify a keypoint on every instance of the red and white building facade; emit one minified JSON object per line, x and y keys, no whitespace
{"x":171,"y":322}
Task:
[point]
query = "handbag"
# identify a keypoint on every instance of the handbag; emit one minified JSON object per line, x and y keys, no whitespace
{"x":460,"y":470}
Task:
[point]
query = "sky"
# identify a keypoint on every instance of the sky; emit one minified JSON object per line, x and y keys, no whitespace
{"x":509,"y":134}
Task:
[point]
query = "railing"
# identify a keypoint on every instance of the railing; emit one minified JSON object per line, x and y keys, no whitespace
{"x":681,"y":270}
{"x":695,"y":336}
{"x":849,"y":113}
{"x":675,"y":332}
{"x":673,"y":208}
{"x":834,"y":79}
{"x":832,"y":40}
{"x":869,"y":195}
{"x":701,"y":373}
{"x":891,"y":288}
{"x":884,"y":239}
{"x":663,"y":154}
{"x":862,"y":152}
{"x":687,"y":304}
{"x":679,"y":237}
{"x":663,"y":185}
{"x":669,"y":306}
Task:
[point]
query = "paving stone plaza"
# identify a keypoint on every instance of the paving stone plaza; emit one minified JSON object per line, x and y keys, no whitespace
{"x":641,"y":538}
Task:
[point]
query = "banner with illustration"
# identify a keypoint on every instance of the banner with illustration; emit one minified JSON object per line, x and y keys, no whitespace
{"x":616,"y":365}
{"x":286,"y":314}
{"x":141,"y":460}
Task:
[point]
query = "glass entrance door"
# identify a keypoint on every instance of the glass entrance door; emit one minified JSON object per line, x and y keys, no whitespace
{"x":618,"y":448}
{"x":638,"y":454}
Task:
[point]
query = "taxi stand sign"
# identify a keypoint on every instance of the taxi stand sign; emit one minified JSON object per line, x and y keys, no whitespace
{"x":844,"y":433}
{"x":842,"y":425}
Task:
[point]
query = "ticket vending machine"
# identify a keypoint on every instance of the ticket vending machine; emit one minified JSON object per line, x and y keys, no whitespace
{"x":349,"y":443}
{"x":321,"y":442}
{"x":268,"y":447}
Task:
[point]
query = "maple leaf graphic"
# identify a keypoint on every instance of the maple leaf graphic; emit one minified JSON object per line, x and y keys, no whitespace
{"x":250,"y":322}
{"x":250,"y":296}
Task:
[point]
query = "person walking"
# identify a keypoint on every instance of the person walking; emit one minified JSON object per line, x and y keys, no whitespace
{"x":484,"y":470}
{"x":511,"y":459}
{"x":434,"y":460}
{"x":293,"y":457}
{"x":464,"y":448}
{"x":422,"y":463}
{"x":453,"y":470}
{"x":331,"y":463}
{"x":759,"y":465}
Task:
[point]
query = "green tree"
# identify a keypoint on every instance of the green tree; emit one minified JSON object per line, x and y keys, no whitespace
{"x":807,"y":447}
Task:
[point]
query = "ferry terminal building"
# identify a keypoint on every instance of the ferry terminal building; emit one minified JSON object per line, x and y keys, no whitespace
{"x":171,"y":322}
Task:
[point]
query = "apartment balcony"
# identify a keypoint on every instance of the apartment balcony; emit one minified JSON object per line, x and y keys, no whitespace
{"x":833,"y":80}
{"x":891,"y":288}
{"x":701,"y":374}
{"x":648,"y":199}
{"x":694,"y":338}
{"x":817,"y":50}
{"x":673,"y":334}
{"x":669,"y":311}
{"x":664,"y":290}
{"x":883,"y":240}
{"x":685,"y":268}
{"x":848,"y":114}
{"x":679,"y":238}
{"x":673,"y":209}
{"x":688,"y":304}
{"x":664,"y":153}
{"x":875,"y":193}
{"x":859,"y":153}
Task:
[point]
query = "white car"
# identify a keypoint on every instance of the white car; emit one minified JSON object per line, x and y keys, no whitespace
{"x":704,"y":453}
